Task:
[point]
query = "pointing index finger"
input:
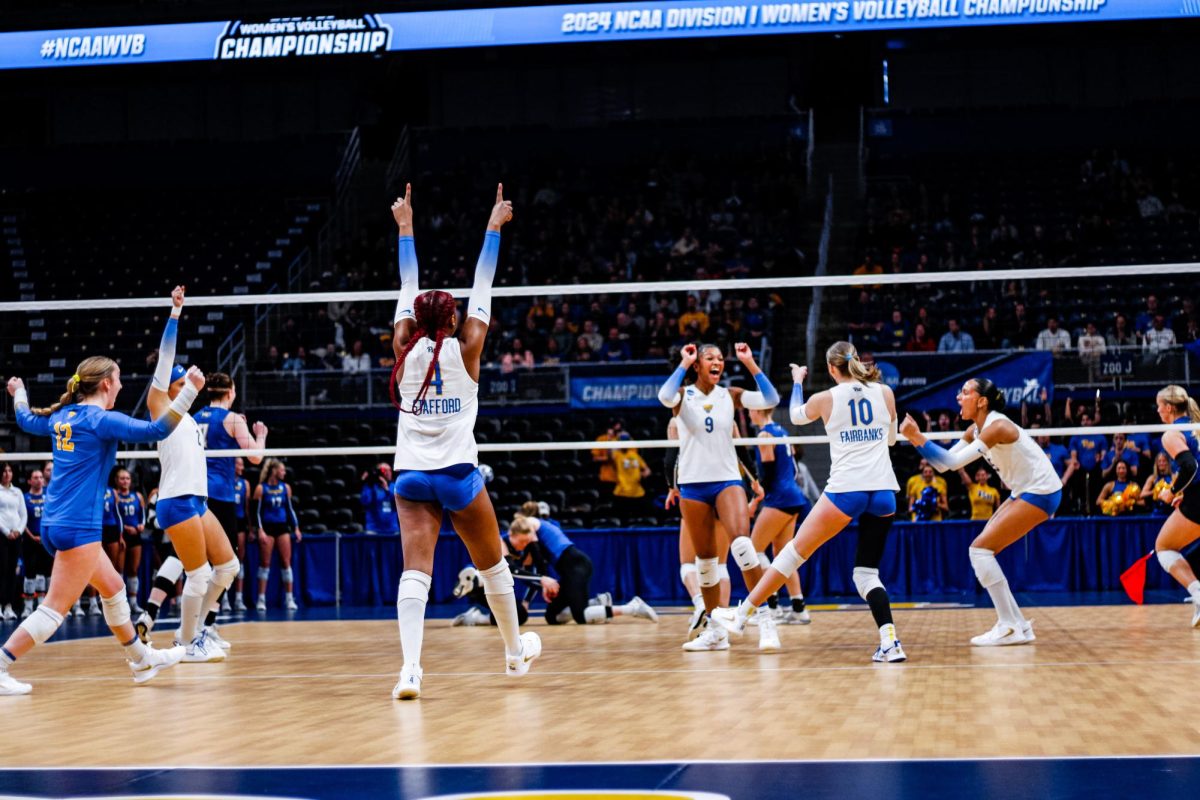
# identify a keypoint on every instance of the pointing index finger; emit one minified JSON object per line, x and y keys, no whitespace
{"x":499,"y":192}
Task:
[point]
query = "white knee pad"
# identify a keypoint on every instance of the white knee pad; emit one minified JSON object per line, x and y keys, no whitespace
{"x":687,"y":570}
{"x":42,"y":623}
{"x":723,"y":571}
{"x":866,"y":580}
{"x":223,"y":574}
{"x":28,"y":586}
{"x":987,"y":568}
{"x":708,"y":571}
{"x":286,"y":575}
{"x":1169,"y":558}
{"x":197,"y":581}
{"x":264,"y":573}
{"x":116,"y":609}
{"x":39,"y":584}
{"x":763,"y":561}
{"x":171,"y":569}
{"x":497,"y":579}
{"x":414,"y":585}
{"x":788,"y":560}
{"x":743,"y":553}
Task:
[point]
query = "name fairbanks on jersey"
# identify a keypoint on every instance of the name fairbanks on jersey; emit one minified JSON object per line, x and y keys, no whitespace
{"x":863,"y":435}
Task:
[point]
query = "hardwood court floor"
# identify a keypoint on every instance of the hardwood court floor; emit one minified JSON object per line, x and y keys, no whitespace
{"x":1099,"y":681}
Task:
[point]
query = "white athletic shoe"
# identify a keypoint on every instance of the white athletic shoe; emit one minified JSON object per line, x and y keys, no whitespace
{"x":768,"y":635}
{"x":134,"y":608}
{"x":1002,"y":634}
{"x":471,"y":617}
{"x":77,"y":609}
{"x":25,"y":612}
{"x":531,"y":648}
{"x":225,"y":607}
{"x":409,"y":685}
{"x":1027,"y":629}
{"x":10,"y":685}
{"x":143,"y":626}
{"x":9,"y":613}
{"x":155,"y":661}
{"x":239,"y":605}
{"x":289,"y":603}
{"x":641,"y":609}
{"x":890,"y":654}
{"x":215,"y":638}
{"x":94,"y":608}
{"x":696,"y":624}
{"x":1196,"y":618}
{"x":602,"y":599}
{"x":261,"y":605}
{"x":202,"y":651}
{"x":732,"y":621}
{"x":790,"y":617}
{"x":714,"y":637}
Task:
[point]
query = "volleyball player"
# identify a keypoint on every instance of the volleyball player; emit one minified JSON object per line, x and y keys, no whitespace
{"x":183,"y":513}
{"x":277,"y":523}
{"x":436,"y":454}
{"x":224,"y":429}
{"x":35,"y":557}
{"x":13,"y":519}
{"x":241,"y":502}
{"x":1182,"y":527}
{"x":131,"y":508}
{"x":1024,"y":468}
{"x":85,"y":434}
{"x":110,"y":539}
{"x":710,"y":479}
{"x":860,"y":417}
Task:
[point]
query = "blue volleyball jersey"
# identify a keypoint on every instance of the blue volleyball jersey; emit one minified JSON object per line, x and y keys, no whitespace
{"x":129,"y":506}
{"x":783,"y":490}
{"x":240,"y":488}
{"x":110,"y":518}
{"x":34,"y":506}
{"x":85,"y":450}
{"x":553,"y":539}
{"x":275,"y":506}
{"x":221,"y":472}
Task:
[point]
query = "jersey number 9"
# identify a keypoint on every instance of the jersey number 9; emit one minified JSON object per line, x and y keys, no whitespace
{"x":62,"y":437}
{"x":708,"y":424}
{"x":865,"y":414}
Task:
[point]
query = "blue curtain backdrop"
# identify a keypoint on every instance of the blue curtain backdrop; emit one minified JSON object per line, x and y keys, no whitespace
{"x":922,"y":558}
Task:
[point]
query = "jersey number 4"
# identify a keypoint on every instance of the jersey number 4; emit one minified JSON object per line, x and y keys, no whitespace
{"x":864,"y":414}
{"x":436,"y":383}
{"x":62,"y":437}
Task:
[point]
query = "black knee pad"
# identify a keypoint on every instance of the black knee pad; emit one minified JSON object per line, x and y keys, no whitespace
{"x":872,"y":538}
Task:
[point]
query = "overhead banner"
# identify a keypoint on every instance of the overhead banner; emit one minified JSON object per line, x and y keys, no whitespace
{"x":932,"y":382}
{"x":626,"y":391}
{"x":301,"y":37}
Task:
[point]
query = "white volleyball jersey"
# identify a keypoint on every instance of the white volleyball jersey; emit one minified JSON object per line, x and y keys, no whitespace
{"x":706,"y":453}
{"x":443,"y":433}
{"x":858,"y":439}
{"x":1022,"y":465}
{"x":184,"y":470}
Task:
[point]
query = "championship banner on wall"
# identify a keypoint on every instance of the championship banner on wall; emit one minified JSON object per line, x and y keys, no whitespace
{"x":932,"y":382}
{"x":626,"y":391}
{"x":332,"y":35}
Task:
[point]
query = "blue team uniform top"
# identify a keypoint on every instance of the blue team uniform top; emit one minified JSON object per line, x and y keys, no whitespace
{"x":1189,"y":436}
{"x":276,"y":506}
{"x":240,"y":488}
{"x":111,"y":517}
{"x":1059,"y":456}
{"x":34,"y":506}
{"x":129,"y":507}
{"x":783,"y":491}
{"x":379,"y":508}
{"x":221,"y":473}
{"x":85,"y":450}
{"x":553,"y":539}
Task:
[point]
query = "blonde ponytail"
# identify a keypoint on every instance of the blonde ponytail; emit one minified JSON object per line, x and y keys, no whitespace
{"x":268,"y":468}
{"x":844,"y":358}
{"x":1177,"y":397}
{"x":83,"y":384}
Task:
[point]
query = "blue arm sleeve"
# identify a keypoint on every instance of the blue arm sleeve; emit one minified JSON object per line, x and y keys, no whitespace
{"x":797,"y":402}
{"x":769,"y":392}
{"x":668,"y":395}
{"x":115,"y":426}
{"x":479,"y":305}
{"x":31,"y":422}
{"x":166,"y":355}
{"x":406,"y":249}
{"x":943,"y":460}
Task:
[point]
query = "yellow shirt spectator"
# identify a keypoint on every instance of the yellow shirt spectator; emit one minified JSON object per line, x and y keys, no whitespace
{"x":630,"y":470}
{"x":984,"y":497}
{"x":916,"y":485}
{"x":604,"y":457}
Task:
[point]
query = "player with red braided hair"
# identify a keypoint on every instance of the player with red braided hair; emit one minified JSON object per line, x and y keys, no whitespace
{"x":435,"y":384}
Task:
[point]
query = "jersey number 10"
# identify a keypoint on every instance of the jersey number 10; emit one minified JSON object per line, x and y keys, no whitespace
{"x":864,"y":414}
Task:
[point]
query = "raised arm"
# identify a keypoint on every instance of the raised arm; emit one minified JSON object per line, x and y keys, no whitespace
{"x":26,"y":419}
{"x":817,"y":407}
{"x":157,"y":399}
{"x":405,"y":321}
{"x":479,"y":304}
{"x":115,"y":426}
{"x":766,"y":396}
{"x":668,"y":393}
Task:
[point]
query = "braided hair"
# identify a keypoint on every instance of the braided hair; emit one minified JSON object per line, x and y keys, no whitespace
{"x":434,"y":312}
